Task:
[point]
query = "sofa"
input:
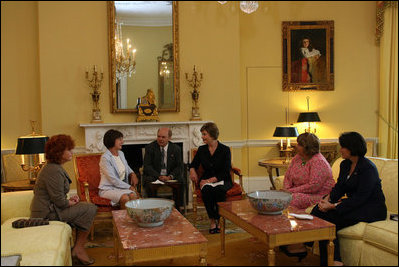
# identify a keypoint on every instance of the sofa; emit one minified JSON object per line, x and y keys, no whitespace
{"x":371,"y":244}
{"x":46,"y":245}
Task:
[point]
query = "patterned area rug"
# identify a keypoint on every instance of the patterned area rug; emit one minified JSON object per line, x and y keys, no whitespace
{"x":201,"y":222}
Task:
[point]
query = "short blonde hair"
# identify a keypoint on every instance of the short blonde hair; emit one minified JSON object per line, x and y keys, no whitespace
{"x":212,"y":129}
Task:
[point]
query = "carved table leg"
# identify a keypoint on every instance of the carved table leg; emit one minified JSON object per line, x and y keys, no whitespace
{"x":330,"y":253}
{"x":271,"y":257}
{"x":270,"y":172}
{"x":202,"y":255}
{"x":222,"y":233}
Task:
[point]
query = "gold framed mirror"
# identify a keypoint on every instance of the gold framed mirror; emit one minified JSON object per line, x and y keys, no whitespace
{"x":152,"y":37}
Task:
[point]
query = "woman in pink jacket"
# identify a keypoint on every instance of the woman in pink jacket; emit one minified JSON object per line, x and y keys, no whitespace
{"x":309,"y":178}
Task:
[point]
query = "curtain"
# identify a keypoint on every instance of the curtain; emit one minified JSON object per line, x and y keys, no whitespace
{"x":387,"y":38}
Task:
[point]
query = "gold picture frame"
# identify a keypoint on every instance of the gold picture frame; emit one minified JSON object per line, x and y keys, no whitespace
{"x":308,"y":55}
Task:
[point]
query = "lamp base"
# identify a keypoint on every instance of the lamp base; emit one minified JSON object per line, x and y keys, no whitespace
{"x":195,"y":115}
{"x":287,"y":153}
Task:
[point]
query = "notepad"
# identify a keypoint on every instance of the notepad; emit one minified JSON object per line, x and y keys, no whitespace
{"x":214,"y":184}
{"x":158,"y":182}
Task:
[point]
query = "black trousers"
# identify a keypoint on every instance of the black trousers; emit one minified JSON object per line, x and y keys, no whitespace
{"x":211,"y":196}
{"x":340,"y":222}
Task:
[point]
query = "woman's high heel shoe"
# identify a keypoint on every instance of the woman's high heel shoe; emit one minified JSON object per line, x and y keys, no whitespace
{"x":300,"y":255}
{"x":77,"y":261}
{"x":213,"y":230}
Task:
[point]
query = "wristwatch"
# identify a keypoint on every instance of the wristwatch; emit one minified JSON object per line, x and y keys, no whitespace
{"x":171,"y":177}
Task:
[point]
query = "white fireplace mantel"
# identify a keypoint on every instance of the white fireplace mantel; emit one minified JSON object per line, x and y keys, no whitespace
{"x":186,"y":132}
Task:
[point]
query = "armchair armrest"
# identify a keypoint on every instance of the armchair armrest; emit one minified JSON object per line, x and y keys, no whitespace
{"x":87,"y":195}
{"x":237,"y":172}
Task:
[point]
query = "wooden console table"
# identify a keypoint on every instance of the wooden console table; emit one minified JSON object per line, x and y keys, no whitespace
{"x":328,"y":150}
{"x":269,"y":164}
{"x":21,"y":185}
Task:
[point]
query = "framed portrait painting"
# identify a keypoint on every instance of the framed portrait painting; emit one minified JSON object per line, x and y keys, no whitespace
{"x":308,"y":55}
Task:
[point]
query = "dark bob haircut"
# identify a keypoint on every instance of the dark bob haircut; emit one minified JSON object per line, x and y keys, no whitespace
{"x":310,"y":143}
{"x":212,"y":129}
{"x":56,"y":146}
{"x":354,"y":142}
{"x":110,"y":136}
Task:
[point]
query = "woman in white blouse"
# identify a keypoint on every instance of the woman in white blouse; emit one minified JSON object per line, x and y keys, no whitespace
{"x":115,"y":172}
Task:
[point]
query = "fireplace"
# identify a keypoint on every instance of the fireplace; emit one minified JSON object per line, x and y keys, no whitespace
{"x":137,"y":135}
{"x":142,"y":133}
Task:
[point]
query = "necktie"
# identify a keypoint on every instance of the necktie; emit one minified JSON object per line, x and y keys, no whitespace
{"x":163,"y":166}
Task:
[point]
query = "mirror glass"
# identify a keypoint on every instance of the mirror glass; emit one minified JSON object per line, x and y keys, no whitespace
{"x":143,"y":47}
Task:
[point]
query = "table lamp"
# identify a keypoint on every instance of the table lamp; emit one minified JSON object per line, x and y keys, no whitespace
{"x":286,"y":132}
{"x":33,"y":146}
{"x":309,"y":117}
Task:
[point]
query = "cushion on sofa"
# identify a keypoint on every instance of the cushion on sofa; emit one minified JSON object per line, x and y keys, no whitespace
{"x":389,"y":181}
{"x":383,"y":234}
{"x":15,"y":204}
{"x":46,"y":244}
{"x":353,"y":232}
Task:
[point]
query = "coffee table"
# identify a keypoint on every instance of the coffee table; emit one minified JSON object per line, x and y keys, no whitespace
{"x":177,"y":237}
{"x":275,"y":230}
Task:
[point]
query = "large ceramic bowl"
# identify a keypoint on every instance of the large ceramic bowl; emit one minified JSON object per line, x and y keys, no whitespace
{"x":269,"y":201}
{"x":149,"y":212}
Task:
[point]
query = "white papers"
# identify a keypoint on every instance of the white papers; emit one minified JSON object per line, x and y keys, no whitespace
{"x":158,"y":182}
{"x":301,"y":216}
{"x":214,"y":184}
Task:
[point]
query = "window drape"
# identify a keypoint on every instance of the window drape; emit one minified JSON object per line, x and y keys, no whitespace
{"x":388,"y":104}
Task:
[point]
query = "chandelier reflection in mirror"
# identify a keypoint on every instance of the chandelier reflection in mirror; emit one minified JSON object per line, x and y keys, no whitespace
{"x":167,"y":56}
{"x":246,"y":6}
{"x":125,"y":56}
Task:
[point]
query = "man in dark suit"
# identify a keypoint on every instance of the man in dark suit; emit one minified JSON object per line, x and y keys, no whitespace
{"x":162,"y":161}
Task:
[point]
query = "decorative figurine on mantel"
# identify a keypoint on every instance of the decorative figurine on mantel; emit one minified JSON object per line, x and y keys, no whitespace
{"x":195,"y":83}
{"x":146,"y":108}
{"x":95,"y":84}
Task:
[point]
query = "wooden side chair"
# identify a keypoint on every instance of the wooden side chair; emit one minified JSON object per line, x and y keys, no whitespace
{"x":87,"y":174}
{"x":235,"y":193}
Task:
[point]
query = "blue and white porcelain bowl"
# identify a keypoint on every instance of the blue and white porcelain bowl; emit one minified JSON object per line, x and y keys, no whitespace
{"x":269,"y":201}
{"x":149,"y":212}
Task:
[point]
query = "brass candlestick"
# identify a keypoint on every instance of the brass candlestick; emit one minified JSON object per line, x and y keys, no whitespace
{"x":95,"y":84}
{"x":195,"y":83}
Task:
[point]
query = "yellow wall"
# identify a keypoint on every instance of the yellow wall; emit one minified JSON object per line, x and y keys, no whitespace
{"x":46,"y":47}
{"x":20,"y":90}
{"x":149,"y":42}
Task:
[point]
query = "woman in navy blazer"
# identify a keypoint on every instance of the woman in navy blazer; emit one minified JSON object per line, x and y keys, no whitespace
{"x":359,"y":180}
{"x":115,"y":172}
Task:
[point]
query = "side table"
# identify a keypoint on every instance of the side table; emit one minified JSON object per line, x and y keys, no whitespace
{"x":269,"y":164}
{"x":20,"y":185}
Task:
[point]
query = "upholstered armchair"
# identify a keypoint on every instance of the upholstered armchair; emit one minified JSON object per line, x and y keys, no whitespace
{"x":235,"y":193}
{"x":87,"y":174}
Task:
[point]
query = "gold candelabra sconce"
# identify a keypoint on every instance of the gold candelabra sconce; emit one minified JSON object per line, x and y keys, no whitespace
{"x":32,"y":148}
{"x":195,"y":83}
{"x":95,"y":84}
